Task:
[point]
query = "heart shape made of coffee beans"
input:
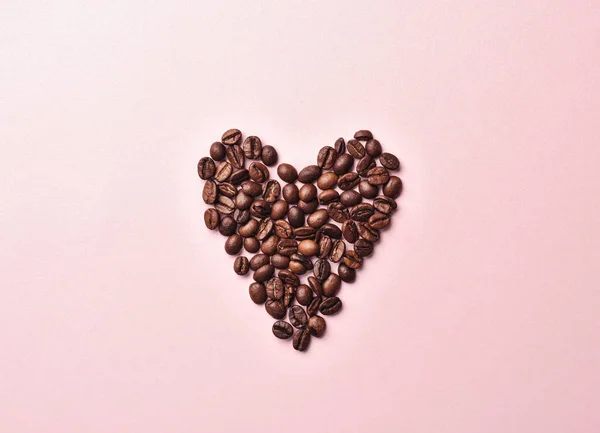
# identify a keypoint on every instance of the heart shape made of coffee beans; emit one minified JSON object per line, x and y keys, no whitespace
{"x":294,"y":231}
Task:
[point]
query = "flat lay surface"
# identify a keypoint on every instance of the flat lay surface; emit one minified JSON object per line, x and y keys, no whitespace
{"x":120,"y":311}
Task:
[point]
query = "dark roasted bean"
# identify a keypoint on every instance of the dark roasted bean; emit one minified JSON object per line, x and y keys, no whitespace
{"x":363,"y":248}
{"x":367,"y":232}
{"x":325,"y":245}
{"x":313,"y":307}
{"x":308,"y":206}
{"x":349,"y":231}
{"x":316,"y":326}
{"x":393,"y":188}
{"x":217,"y":151}
{"x":209,"y":192}
{"x":367,"y":190}
{"x":301,"y":339}
{"x":269,"y":246}
{"x":322,"y":269}
{"x":223,"y":171}
{"x":304,"y":295}
{"x":258,"y":260}
{"x":363,"y":135}
{"x":328,"y":196}
{"x":235,"y":155}
{"x":364,"y":165}
{"x":361,"y":212}
{"x":287,"y":173}
{"x":308,"y":192}
{"x":330,"y":306}
{"x":309,"y":174}
{"x":298,"y":317}
{"x":338,"y":212}
{"x":283,"y":229}
{"x":352,"y":259}
{"x":258,"y":172}
{"x":241,"y":216}
{"x":260,"y":209}
{"x":373,"y":148}
{"x":287,"y":247}
{"x":384,"y":204}
{"x":251,"y":244}
{"x":331,"y":230}
{"x":378,"y":176}
{"x":326,"y":158}
{"x":251,"y":188}
{"x":231,"y":136}
{"x":264,"y":273}
{"x":350,"y":198}
{"x":206,"y":168}
{"x":331,"y":285}
{"x":308,"y":247}
{"x":340,"y":146}
{"x":343,"y":164}
{"x":348,"y":181}
{"x":347,"y":275}
{"x":315,"y":285}
{"x":327,"y":180}
{"x":233,"y":244}
{"x":276,"y":309}
{"x":227,"y":226}
{"x":243,"y":201}
{"x":241,"y":266}
{"x":379,"y":220}
{"x":269,"y":156}
{"x":280,"y":261}
{"x":211,"y":218}
{"x":355,"y":149}
{"x":389,"y":161}
{"x":282,"y":329}
{"x":337,"y":251}
{"x":272,"y":191}
{"x":258,"y":293}
{"x":318,"y":218}
{"x":252,"y":147}
{"x":238,"y":176}
{"x":288,"y":277}
{"x":295,"y":217}
{"x":264,"y":229}
{"x":290,"y":193}
{"x":274,"y":288}
{"x":250,"y":228}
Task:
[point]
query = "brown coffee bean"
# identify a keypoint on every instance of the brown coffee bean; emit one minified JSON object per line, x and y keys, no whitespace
{"x":355,"y":149}
{"x":279,"y":209}
{"x":211,"y":218}
{"x":282,"y":330}
{"x":379,"y":220}
{"x":283,"y":229}
{"x":217,"y":151}
{"x":209,"y":192}
{"x":304,"y":295}
{"x":241,"y":216}
{"x":304,"y":232}
{"x":348,"y":181}
{"x":225,"y":205}
{"x":326,"y":158}
{"x":315,"y":285}
{"x":243,"y":201}
{"x":241,"y":266}
{"x":321,"y":269}
{"x":206,"y":168}
{"x":384,"y":204}
{"x":352,"y":259}
{"x":288,"y":277}
{"x":343,"y":164}
{"x":338,"y":212}
{"x":227,"y":226}
{"x":251,"y":188}
{"x":332,"y":285}
{"x":287,"y":172}
{"x":308,"y":206}
{"x":393,"y":188}
{"x":363,"y":248}
{"x":269,"y":245}
{"x":340,"y":146}
{"x":248,"y":229}
{"x":363,"y":135}
{"x":337,"y":251}
{"x":258,"y":172}
{"x":269,"y":156}
{"x":272,"y":191}
{"x":309,"y":174}
{"x":367,"y":190}
{"x":251,"y":244}
{"x":331,"y":230}
{"x":316,"y":326}
{"x":235,"y":156}
{"x":347,"y":275}
{"x":276,"y":309}
{"x":258,"y":260}
{"x":389,"y":161}
{"x":295,"y":217}
{"x":378,"y":176}
{"x":318,"y":218}
{"x":274,"y":288}
{"x":325,"y":245}
{"x":327,"y":181}
{"x":361,"y":212}
{"x":258,"y":293}
{"x":233,"y":244}
{"x":223,"y":171}
{"x":350,"y":198}
{"x":308,"y":247}
{"x":227,"y":189}
{"x":231,"y":136}
{"x":364,"y":165}
{"x":287,"y":247}
{"x":298,"y":264}
{"x":288,"y":295}
{"x":301,"y":339}
{"x":291,"y":193}
{"x":330,"y":306}
{"x":313,"y":307}
{"x":328,"y":196}
{"x":265,"y":228}
{"x":349,"y":231}
{"x":373,"y":148}
{"x":239,"y":176}
{"x":264,"y":273}
{"x":260,"y":209}
{"x":252,"y":147}
{"x":279,"y":261}
{"x":308,"y":192}
{"x":367,"y":232}
{"x":298,"y":317}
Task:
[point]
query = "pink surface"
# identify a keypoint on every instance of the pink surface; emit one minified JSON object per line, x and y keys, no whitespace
{"x":112,"y":318}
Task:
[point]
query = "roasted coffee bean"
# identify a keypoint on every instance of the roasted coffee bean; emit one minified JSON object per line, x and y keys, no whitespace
{"x":299,"y":264}
{"x":330,"y":306}
{"x":389,"y":161}
{"x":325,"y":245}
{"x":227,"y":189}
{"x":337,"y":251}
{"x":338,"y":212}
{"x":282,"y":329}
{"x":287,"y":247}
{"x":258,"y":172}
{"x":206,"y":168}
{"x":363,"y":248}
{"x":348,"y":181}
{"x":298,"y":317}
{"x":355,"y":149}
{"x":235,"y":156}
{"x":331,"y":285}
{"x":343,"y":164}
{"x":327,"y":181}
{"x":308,"y":206}
{"x":326,"y":157}
{"x":279,"y":261}
{"x":225,"y":205}
{"x":269,"y":156}
{"x":243,"y":201}
{"x":276,"y":309}
{"x":384,"y":204}
{"x":264,"y":273}
{"x":347,"y":275}
{"x":316,"y":326}
{"x":251,"y":244}
{"x":291,"y":193}
{"x":393,"y":188}
{"x":223,"y":171}
{"x":349,"y":231}
{"x":304,"y":295}
{"x":363,"y":135}
{"x":367,"y":232}
{"x":340,"y":146}
{"x":211,"y":219}
{"x":289,"y":294}
{"x":318,"y":218}
{"x":308,"y":247}
{"x":287,"y":173}
{"x":328,"y":196}
{"x":283,"y":229}
{"x":258,"y":293}
{"x":260,"y":209}
{"x":373,"y":148}
{"x":272,"y":191}
{"x":313,"y":307}
{"x":217,"y":151}
{"x":288,"y":277}
{"x":248,"y":229}
{"x":239,"y":176}
{"x":241,"y":266}
{"x":269,"y":246}
{"x":233,"y":244}
{"x":331,"y":230}
{"x":350,"y":198}
{"x":251,"y":188}
{"x":252,"y":147}
{"x":274,"y":288}
{"x":352,"y":259}
{"x":295,"y":217}
{"x":209,"y":192}
{"x":231,"y":136}
{"x":241,"y":216}
{"x":315,"y":285}
{"x":265,"y":228}
{"x":361,"y":212}
{"x":367,"y":190}
{"x":301,"y":339}
{"x":228,"y":226}
{"x":379,"y":220}
{"x":308,"y":192}
{"x":259,"y":260}
{"x":322,"y":270}
{"x":378,"y":176}
{"x":304,"y":232}
{"x":309,"y":174}
{"x":364,"y":165}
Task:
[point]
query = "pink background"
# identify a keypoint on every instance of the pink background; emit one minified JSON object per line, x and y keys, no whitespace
{"x":112,"y":318}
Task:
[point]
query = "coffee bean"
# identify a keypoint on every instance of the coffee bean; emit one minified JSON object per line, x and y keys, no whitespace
{"x":355,"y":149}
{"x":352,"y":259}
{"x":241,"y":216}
{"x":287,"y":247}
{"x":349,"y":231}
{"x":328,"y":196}
{"x":217,"y":151}
{"x":340,"y":146}
{"x":373,"y":148}
{"x":379,"y":220}
{"x":331,"y":230}
{"x":228,"y":226}
{"x":283,"y":229}
{"x":287,"y":173}
{"x":251,"y":244}
{"x":347,"y":275}
{"x":325,"y":245}
{"x":378,"y":176}
{"x":223,"y":171}
{"x":274,"y":288}
{"x":233,"y":244}
{"x":364,"y":165}
{"x":315,"y":285}
{"x":298,"y":317}
{"x":235,"y":156}
{"x":269,"y":155}
{"x":330,"y":306}
{"x":309,"y":174}
{"x":206,"y":168}
{"x":280,"y":261}
{"x":389,"y":161}
{"x":367,"y":190}
{"x":264,"y":273}
{"x":363,"y":135}
{"x":289,"y":294}
{"x":318,"y":218}
{"x":350,"y":198}
{"x":299,"y":264}
{"x":251,"y":188}
{"x":231,"y":136}
{"x":265,"y":228}
{"x":384,"y":204}
{"x":393,"y":188}
{"x":276,"y":309}
{"x":225,"y":205}
{"x":258,"y":293}
{"x":243,"y":201}
{"x":326,"y":157}
{"x":322,"y":270}
{"x":304,"y":295}
{"x":348,"y":181}
{"x":316,"y":326}
{"x":304,"y":232}
{"x":327,"y":180}
{"x":209,"y":192}
{"x":363,"y":248}
{"x":343,"y":164}
{"x":308,"y":192}
{"x":282,"y":330}
{"x":290,"y":193}
{"x":241,"y":266}
{"x":252,"y":147}
{"x":367,"y":233}
{"x":308,"y":206}
{"x":338,"y":212}
{"x":332,"y":285}
{"x":211,"y":218}
{"x":260,"y":209}
{"x":313,"y":307}
{"x":259,"y":260}
{"x":361,"y":212}
{"x":308,"y":247}
{"x":301,"y":339}
{"x":337,"y":251}
{"x":239,"y":176}
{"x":258,"y":172}
{"x":272,"y":191}
{"x":249,"y":229}
{"x":295,"y":217}
{"x":288,"y":277}
{"x":227,"y":189}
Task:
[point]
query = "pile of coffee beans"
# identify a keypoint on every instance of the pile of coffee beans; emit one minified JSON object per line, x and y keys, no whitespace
{"x":325,"y":218}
